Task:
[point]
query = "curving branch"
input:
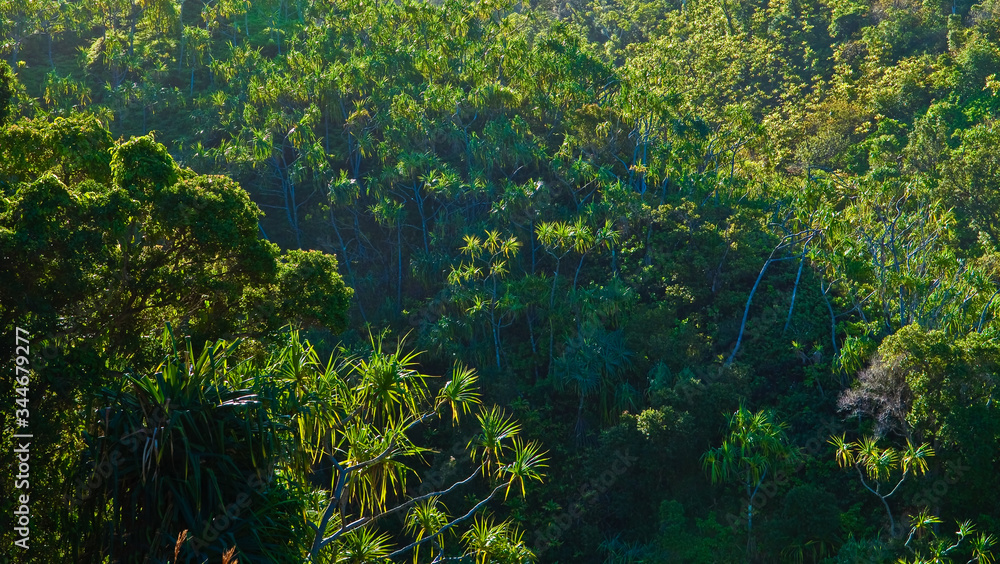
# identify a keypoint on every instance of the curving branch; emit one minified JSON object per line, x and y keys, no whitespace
{"x":787,"y":241}
{"x":451,"y":524}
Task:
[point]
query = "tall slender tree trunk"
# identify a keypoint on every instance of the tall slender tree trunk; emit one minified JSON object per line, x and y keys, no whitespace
{"x":578,"y":267}
{"x":530,"y":318}
{"x":552,"y":328}
{"x":494,"y":325}
{"x":795,"y":289}
{"x":133,"y":20}
{"x":423,"y":217}
{"x":399,"y":264}
{"x":288,"y":192}
{"x":532,"y":241}
{"x":347,"y":262}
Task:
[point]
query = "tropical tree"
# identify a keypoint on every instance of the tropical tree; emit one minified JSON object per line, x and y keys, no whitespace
{"x":182,"y":460}
{"x":756,"y":444}
{"x":489,"y":262}
{"x":363,"y":426}
{"x":173,"y":244}
{"x":879,"y":466}
{"x":105,"y":243}
{"x":6,"y":91}
{"x":932,"y":548}
{"x":237,"y":444}
{"x":20,"y":20}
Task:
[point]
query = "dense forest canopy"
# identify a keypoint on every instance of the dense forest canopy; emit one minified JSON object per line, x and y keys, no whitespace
{"x":588,"y":281}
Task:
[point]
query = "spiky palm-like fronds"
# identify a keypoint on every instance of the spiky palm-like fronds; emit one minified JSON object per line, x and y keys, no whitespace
{"x":755,"y":443}
{"x":363,"y":424}
{"x":184,"y":443}
{"x":527,"y":461}
{"x":459,"y":393}
{"x":389,"y":385}
{"x":936,"y":549}
{"x":489,"y":445}
{"x":363,"y":546}
{"x":500,"y":542}
{"x":878,"y":465}
{"x":424,"y":519}
{"x":376,"y":455}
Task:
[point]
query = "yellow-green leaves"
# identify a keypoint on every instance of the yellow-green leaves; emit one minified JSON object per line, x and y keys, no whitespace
{"x":527,"y":460}
{"x":489,"y":541}
{"x":460,"y":392}
{"x":880,"y":463}
{"x":143,"y":167}
{"x":492,"y":442}
{"x":755,"y":444}
{"x":427,"y":517}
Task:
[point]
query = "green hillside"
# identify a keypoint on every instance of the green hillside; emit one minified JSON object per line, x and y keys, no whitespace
{"x":584,"y":281}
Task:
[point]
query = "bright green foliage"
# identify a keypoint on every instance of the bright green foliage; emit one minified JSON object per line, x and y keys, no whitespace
{"x":142,"y":167}
{"x":480,"y":282}
{"x":488,"y":446}
{"x":74,"y":149}
{"x":934,"y":548}
{"x":755,"y":445}
{"x":927,"y":386}
{"x":137,"y":239}
{"x":242,"y":439}
{"x":6,"y":91}
{"x":945,"y":378}
{"x":426,"y":518}
{"x":496,"y":543}
{"x":877,"y":467}
{"x":879,"y":464}
{"x":311,"y":291}
{"x":361,"y":414}
{"x":971,"y":178}
{"x":104,"y":243}
{"x":630,"y":215}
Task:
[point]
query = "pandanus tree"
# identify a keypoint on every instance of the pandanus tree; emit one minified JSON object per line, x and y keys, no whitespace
{"x":890,"y":248}
{"x":929,"y":547}
{"x":755,"y":445}
{"x":21,"y":20}
{"x":232,"y":447}
{"x":878,"y":467}
{"x":559,"y":239}
{"x":181,"y":461}
{"x":594,"y":362}
{"x":482,"y":278}
{"x":359,"y":415}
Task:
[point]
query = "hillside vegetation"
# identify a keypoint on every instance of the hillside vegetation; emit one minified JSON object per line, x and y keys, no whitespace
{"x":594,"y":281}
